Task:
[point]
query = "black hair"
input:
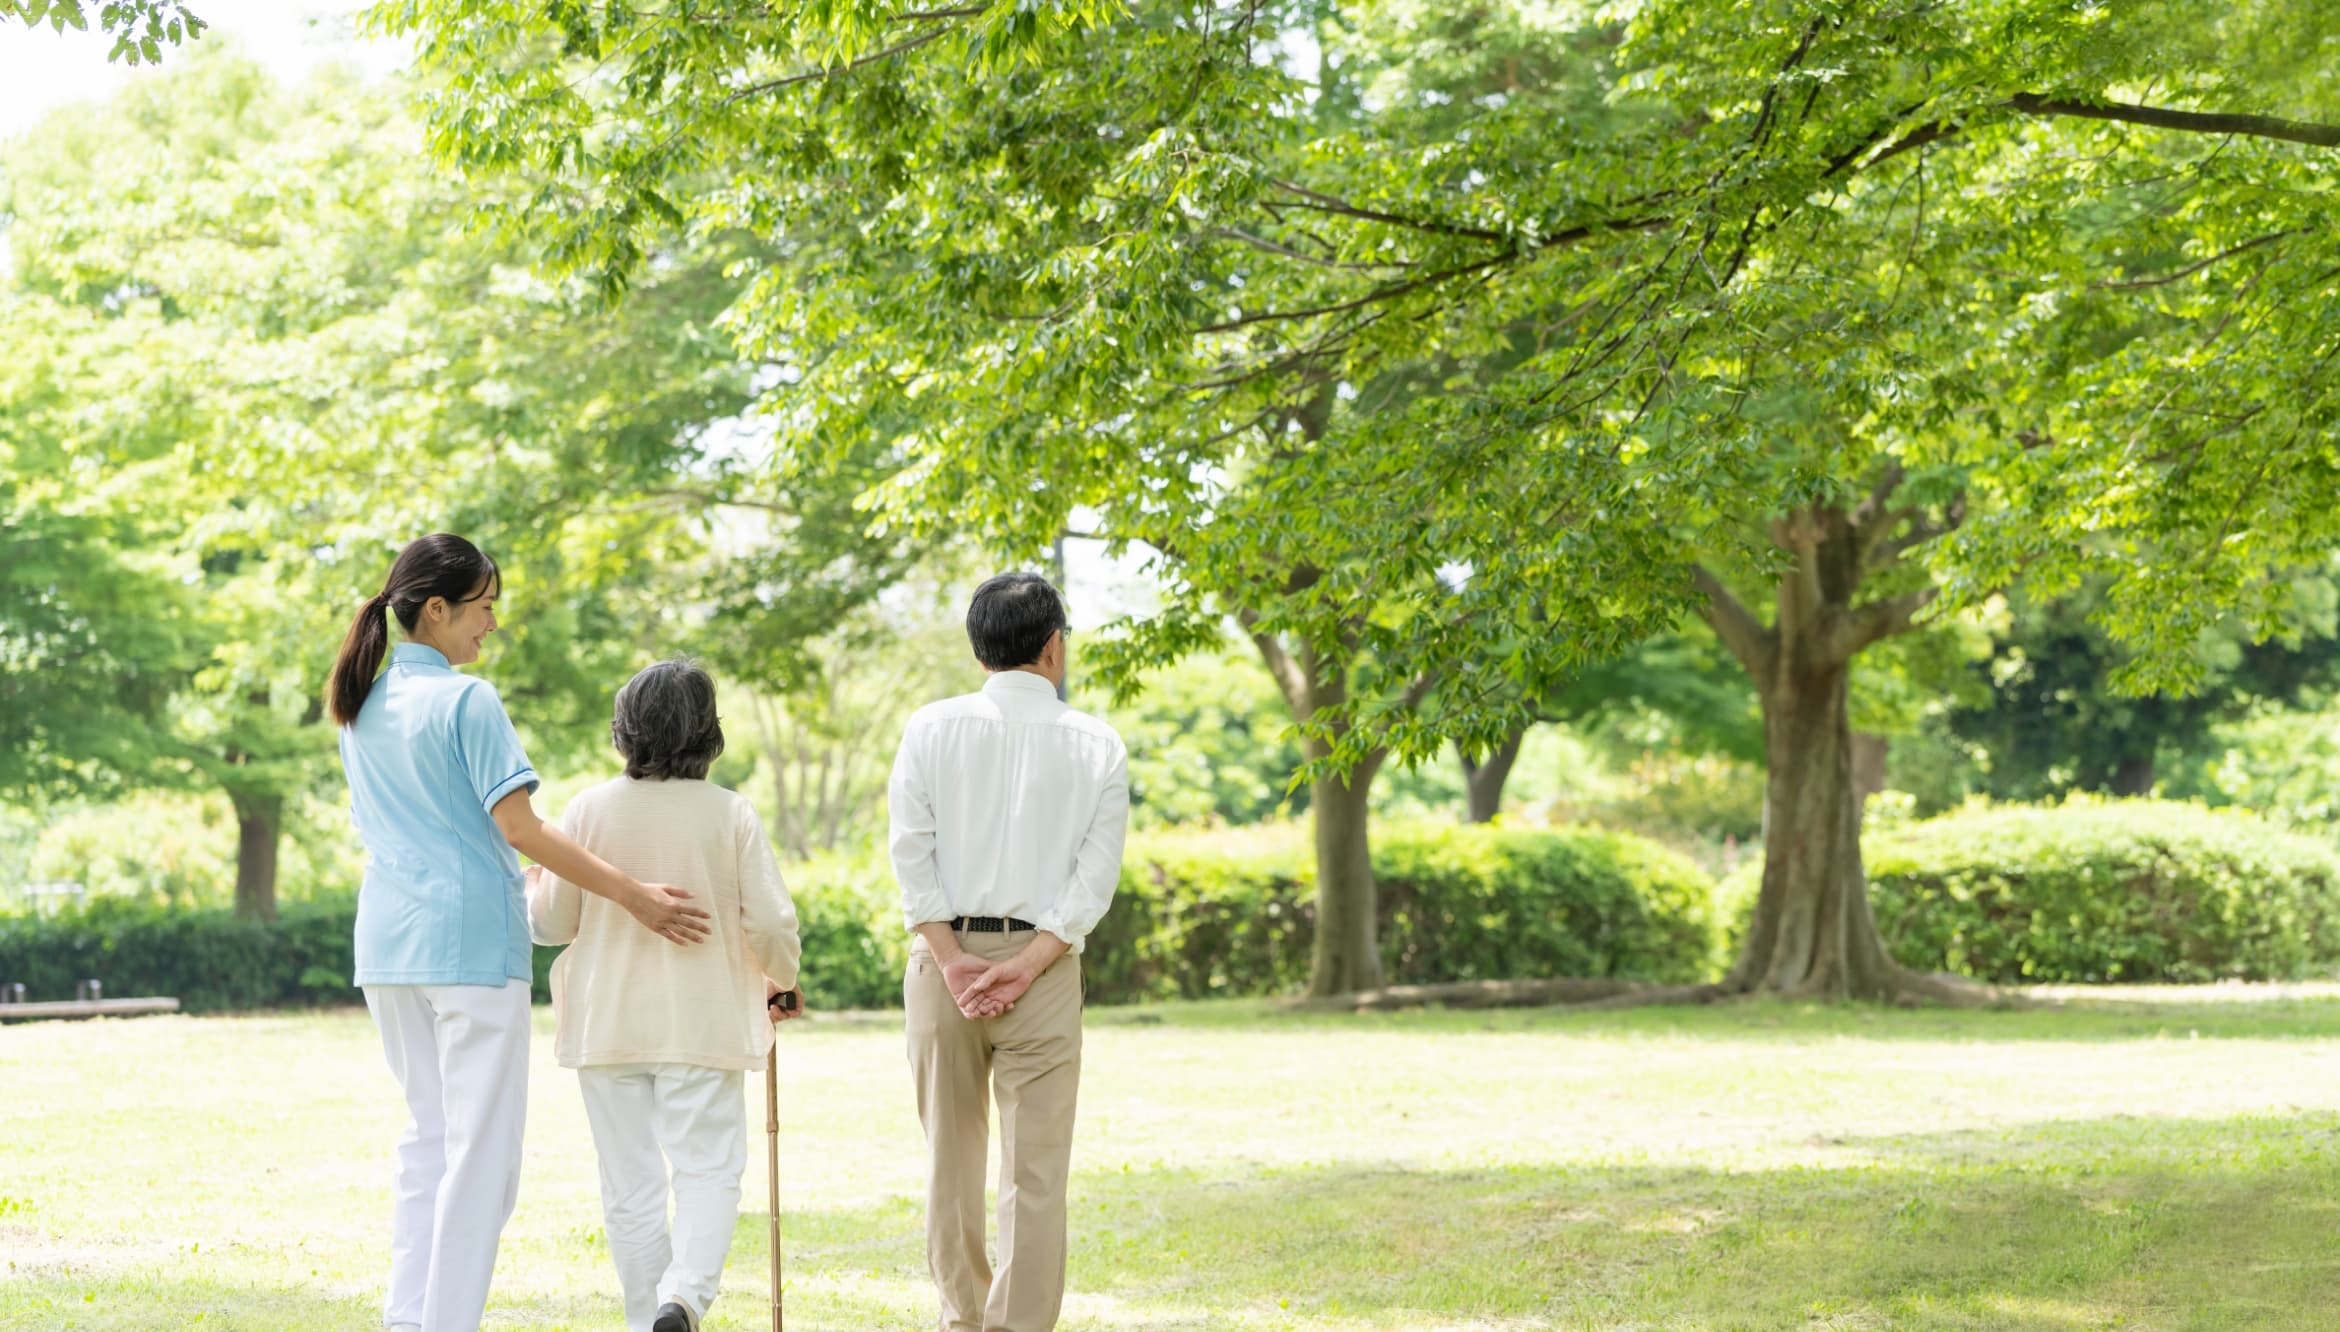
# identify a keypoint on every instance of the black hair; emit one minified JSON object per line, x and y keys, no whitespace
{"x":1010,"y":619}
{"x":439,"y":565}
{"x":665,"y":724}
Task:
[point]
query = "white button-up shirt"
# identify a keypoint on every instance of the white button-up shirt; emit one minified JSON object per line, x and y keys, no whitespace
{"x":1009,"y":803}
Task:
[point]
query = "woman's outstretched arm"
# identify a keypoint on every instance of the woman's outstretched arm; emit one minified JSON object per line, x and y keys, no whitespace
{"x":663,"y":909}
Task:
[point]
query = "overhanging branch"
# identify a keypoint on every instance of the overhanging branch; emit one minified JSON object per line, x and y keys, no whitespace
{"x":1290,"y":679}
{"x":1389,"y":293}
{"x":2315,"y":133}
{"x":905,"y":45}
{"x":1733,"y":623}
{"x":1319,"y":202}
{"x":2189,"y":270}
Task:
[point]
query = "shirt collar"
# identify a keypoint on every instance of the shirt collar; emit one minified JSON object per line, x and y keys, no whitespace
{"x":417,"y":654}
{"x":1018,"y":682}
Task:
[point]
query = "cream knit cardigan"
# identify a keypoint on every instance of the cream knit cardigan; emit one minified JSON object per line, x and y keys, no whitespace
{"x":622,"y":995}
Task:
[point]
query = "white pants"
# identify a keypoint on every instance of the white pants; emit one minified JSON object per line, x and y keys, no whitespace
{"x":460,"y":1053}
{"x":644,"y":1117}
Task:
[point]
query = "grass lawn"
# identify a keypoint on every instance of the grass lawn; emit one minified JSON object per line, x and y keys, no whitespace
{"x":2164,"y":1160}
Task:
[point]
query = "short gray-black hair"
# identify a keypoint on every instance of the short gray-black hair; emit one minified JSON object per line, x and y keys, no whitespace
{"x":1010,"y":619}
{"x":666,"y":725}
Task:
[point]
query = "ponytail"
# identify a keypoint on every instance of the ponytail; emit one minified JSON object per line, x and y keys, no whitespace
{"x":439,"y":565}
{"x":362,"y":650}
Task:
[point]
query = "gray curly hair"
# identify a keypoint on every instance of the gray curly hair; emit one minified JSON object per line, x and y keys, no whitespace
{"x":666,"y":725}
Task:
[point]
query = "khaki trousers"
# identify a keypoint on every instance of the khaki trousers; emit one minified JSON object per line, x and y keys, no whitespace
{"x":1029,"y":1060}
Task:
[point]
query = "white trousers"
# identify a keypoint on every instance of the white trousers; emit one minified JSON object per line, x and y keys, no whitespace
{"x":460,"y":1053}
{"x":646,"y":1117}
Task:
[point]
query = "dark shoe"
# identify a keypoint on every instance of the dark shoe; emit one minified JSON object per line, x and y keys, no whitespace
{"x":673,"y":1317}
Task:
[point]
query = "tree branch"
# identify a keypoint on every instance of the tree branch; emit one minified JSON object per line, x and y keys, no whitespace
{"x":1325,"y":203}
{"x":1263,"y":243}
{"x":1889,"y":480}
{"x":1418,"y":690}
{"x":1389,"y":293}
{"x":1762,"y":130}
{"x":2189,"y":270}
{"x":1802,"y":597}
{"x":1915,"y":138}
{"x":906,"y":44}
{"x":1288,"y":675}
{"x":2315,"y":133}
{"x":1369,"y":766}
{"x":1733,"y":623}
{"x":1877,"y":621}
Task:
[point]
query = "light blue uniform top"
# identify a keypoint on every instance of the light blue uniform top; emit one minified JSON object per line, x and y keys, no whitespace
{"x":429,"y":755}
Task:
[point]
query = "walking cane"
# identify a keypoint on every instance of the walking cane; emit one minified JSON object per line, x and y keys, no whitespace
{"x":785,"y":1003}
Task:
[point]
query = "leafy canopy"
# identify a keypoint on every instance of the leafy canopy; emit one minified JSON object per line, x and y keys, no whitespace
{"x":1450,"y":335}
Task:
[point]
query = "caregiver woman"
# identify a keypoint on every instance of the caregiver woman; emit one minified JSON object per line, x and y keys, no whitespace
{"x":439,"y":791}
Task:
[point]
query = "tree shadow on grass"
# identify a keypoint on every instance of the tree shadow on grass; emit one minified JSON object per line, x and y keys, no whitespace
{"x":2133,"y":1223}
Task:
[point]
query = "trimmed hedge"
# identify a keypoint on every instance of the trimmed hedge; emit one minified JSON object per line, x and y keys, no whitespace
{"x":2096,"y":891}
{"x":1232,"y":913}
{"x":207,"y":958}
{"x":1196,"y":915}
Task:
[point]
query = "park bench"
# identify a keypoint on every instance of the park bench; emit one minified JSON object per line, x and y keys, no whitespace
{"x":88,"y":1001}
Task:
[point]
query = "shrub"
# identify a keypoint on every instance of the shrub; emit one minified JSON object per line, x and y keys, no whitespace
{"x":2108,"y":891}
{"x":850,"y":914}
{"x":1234,"y":914}
{"x":1196,"y":915}
{"x":206,"y":958}
{"x":2099,"y":890}
{"x":1205,"y":914}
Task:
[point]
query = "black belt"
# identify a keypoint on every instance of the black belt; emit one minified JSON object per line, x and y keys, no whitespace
{"x":991,"y":924}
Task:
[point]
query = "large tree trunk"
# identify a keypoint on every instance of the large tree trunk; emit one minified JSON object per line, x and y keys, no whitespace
{"x":2133,"y":776}
{"x":1347,"y":956}
{"x":1483,"y":780}
{"x":1812,"y":934}
{"x":259,"y":828}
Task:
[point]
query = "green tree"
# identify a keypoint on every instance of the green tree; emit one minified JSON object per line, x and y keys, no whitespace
{"x":824,"y":726}
{"x":1209,"y":742}
{"x":1216,"y":500}
{"x":140,"y":28}
{"x":2048,"y":724}
{"x":257,"y":351}
{"x":1683,"y":677}
{"x":1852,"y":311}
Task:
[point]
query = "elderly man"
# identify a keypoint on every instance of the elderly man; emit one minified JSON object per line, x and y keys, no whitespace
{"x":1009,"y":810}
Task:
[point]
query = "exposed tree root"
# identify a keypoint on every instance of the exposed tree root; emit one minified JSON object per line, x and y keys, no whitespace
{"x":1904,"y":989}
{"x":1937,"y":989}
{"x":1475,"y":994}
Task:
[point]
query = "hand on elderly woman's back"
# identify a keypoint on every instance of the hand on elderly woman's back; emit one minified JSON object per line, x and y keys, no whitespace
{"x":666,"y":910}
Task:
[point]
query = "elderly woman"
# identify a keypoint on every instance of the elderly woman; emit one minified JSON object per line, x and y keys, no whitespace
{"x":660,"y":1035}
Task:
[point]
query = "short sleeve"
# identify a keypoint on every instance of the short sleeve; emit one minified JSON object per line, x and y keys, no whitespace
{"x":489,"y":748}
